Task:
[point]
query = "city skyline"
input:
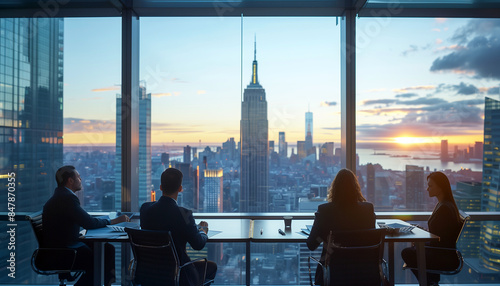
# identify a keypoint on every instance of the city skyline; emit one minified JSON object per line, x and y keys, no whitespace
{"x":390,"y":102}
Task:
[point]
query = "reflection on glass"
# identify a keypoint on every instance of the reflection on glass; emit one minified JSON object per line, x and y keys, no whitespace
{"x":423,"y":104}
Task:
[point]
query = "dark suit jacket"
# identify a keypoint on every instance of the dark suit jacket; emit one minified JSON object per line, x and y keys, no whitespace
{"x":62,"y":218}
{"x":166,"y":215}
{"x":445,"y":223}
{"x":339,"y":218}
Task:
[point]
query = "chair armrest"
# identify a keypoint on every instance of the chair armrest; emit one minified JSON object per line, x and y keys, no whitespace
{"x":309,"y":267}
{"x":441,"y":251}
{"x":192,"y":262}
{"x":54,"y":260}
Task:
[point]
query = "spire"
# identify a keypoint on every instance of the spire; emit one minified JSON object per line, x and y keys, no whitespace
{"x":255,"y":80}
{"x":255,"y":47}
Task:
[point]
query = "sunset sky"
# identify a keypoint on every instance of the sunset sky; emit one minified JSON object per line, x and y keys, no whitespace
{"x":418,"y":80}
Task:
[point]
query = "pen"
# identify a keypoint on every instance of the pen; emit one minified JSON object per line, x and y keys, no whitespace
{"x":261,"y":231}
{"x":281,"y":232}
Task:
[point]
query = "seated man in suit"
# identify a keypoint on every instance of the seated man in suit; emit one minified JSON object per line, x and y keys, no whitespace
{"x":62,"y":218}
{"x":166,"y":215}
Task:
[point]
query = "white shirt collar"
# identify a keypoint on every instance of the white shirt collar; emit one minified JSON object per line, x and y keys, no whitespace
{"x":71,"y":191}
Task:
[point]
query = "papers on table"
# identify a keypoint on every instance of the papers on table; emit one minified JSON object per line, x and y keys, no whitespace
{"x":306,"y":231}
{"x":120,"y":227}
{"x":396,"y":227}
{"x":213,"y":232}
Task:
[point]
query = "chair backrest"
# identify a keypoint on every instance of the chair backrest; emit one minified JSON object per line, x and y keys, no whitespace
{"x":35,"y":220}
{"x":356,"y":257}
{"x":156,"y":259}
{"x":463,"y":219}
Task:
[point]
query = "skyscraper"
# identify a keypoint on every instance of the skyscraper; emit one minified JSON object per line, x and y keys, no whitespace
{"x":370,"y":182}
{"x":444,"y":150}
{"x":490,"y":195}
{"x":144,"y":149}
{"x":254,"y":146}
{"x":468,"y":198}
{"x":309,"y":130}
{"x":415,"y":188}
{"x":31,"y":124}
{"x":187,"y":154}
{"x":283,"y":146}
{"x":326,"y":158}
{"x":478,"y":150}
{"x":212,"y":202}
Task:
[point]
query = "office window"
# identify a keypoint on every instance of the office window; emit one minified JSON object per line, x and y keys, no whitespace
{"x":92,"y":87}
{"x":427,"y":95}
{"x":55,"y":110}
{"x":212,"y":81}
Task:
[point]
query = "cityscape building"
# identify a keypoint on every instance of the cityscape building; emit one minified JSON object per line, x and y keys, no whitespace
{"x":309,"y":131}
{"x":490,"y":194}
{"x":468,"y":199}
{"x":444,"y":150}
{"x":187,"y":154}
{"x":31,"y":125}
{"x":414,"y":188}
{"x":478,"y":150}
{"x":213,"y":195}
{"x":254,"y":146}
{"x":370,"y":183}
{"x":283,"y":146}
{"x":145,"y":166}
{"x":301,"y":149}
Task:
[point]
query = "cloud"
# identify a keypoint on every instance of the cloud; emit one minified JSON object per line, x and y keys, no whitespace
{"x":480,"y":55}
{"x":406,"y":95}
{"x":79,"y":125}
{"x":176,"y":128}
{"x":201,"y":92}
{"x":415,"y":48}
{"x":437,"y":30}
{"x":164,"y":94}
{"x":379,"y":101}
{"x":461,"y":89}
{"x":494,"y":90}
{"x":328,"y":103}
{"x":109,"y":88}
{"x":466,"y":89}
{"x":411,"y":49}
{"x":447,"y":118}
{"x":441,"y":20}
{"x":424,"y":101}
{"x":422,"y":87}
{"x":454,"y":47}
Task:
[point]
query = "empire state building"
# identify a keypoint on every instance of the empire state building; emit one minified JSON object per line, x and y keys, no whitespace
{"x":254,"y":146}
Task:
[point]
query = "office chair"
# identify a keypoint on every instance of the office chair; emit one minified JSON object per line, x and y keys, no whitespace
{"x":51,"y":261}
{"x":353,"y":258}
{"x":156,"y":260}
{"x":448,"y":251}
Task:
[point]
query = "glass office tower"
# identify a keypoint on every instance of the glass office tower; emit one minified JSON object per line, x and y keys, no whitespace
{"x":490,"y":197}
{"x":145,"y":188}
{"x":309,"y":130}
{"x":31,"y":123}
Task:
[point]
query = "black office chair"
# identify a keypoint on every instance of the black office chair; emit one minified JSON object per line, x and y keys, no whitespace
{"x":442,"y":251}
{"x":156,"y":260}
{"x":51,"y":261}
{"x":353,"y":258}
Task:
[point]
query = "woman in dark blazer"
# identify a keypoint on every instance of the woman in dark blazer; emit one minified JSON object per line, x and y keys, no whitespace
{"x":444,"y":222}
{"x":346,"y":209}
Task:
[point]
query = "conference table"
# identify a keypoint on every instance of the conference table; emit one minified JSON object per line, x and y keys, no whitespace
{"x":250,"y":231}
{"x":268,"y":231}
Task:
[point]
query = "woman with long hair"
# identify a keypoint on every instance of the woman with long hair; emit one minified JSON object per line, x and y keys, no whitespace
{"x":346,"y":209}
{"x":444,"y":222}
